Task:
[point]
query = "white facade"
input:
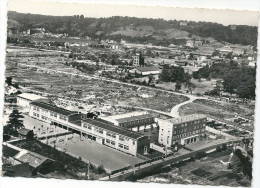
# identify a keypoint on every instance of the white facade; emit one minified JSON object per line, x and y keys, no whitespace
{"x":184,"y":130}
{"x":111,"y":139}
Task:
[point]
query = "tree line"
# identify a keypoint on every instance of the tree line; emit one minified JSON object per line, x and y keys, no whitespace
{"x":237,"y":79}
{"x":100,"y":27}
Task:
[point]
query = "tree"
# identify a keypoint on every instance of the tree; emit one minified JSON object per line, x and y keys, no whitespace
{"x":150,"y":79}
{"x":9,"y":81}
{"x":190,"y":86}
{"x":15,"y":120}
{"x":178,"y":86}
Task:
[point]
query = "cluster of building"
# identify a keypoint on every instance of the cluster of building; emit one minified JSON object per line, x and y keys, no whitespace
{"x":122,"y":131}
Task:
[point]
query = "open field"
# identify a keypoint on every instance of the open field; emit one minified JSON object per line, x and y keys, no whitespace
{"x":219,"y":109}
{"x":208,"y":170}
{"x":102,"y":92}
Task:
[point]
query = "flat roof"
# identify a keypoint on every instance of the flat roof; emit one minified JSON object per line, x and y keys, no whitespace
{"x":116,"y":129}
{"x":53,"y":108}
{"x":30,"y":96}
{"x":187,"y":118}
{"x":126,"y":115}
{"x":134,"y":118}
{"x":32,"y":158}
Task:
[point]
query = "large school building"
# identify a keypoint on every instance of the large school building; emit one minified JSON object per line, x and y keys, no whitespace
{"x":184,"y":130}
{"x":101,"y":131}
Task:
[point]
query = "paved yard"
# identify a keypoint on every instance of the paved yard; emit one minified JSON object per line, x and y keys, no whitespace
{"x":98,"y":154}
{"x":90,"y":150}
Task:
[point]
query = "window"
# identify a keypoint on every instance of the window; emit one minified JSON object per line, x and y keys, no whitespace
{"x":113,"y":143}
{"x":63,"y":117}
{"x":108,"y":141}
{"x":121,"y":145}
{"x":111,"y":134}
{"x":126,"y":147}
{"x":121,"y":138}
{"x":100,"y":131}
{"x":53,"y":114}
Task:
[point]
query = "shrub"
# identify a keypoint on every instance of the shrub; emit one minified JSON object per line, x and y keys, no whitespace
{"x":218,"y":149}
{"x":100,"y":169}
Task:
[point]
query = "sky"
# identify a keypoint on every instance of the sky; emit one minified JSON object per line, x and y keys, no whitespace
{"x":67,"y":8}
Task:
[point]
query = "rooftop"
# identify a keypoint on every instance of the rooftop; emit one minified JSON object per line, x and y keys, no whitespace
{"x":116,"y":129}
{"x":187,"y":118}
{"x":126,"y":115}
{"x":33,"y":159}
{"x":53,"y":108}
{"x":30,"y":96}
{"x":24,"y":131}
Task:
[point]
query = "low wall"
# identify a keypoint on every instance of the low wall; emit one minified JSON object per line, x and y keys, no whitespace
{"x":217,"y":132}
{"x":163,"y":162}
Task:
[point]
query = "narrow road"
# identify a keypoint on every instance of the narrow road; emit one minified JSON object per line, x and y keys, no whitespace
{"x":175,"y":110}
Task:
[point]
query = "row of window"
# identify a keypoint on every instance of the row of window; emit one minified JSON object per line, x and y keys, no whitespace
{"x":53,"y":114}
{"x":137,"y":121}
{"x":87,"y":126}
{"x":44,"y":118}
{"x":35,"y":114}
{"x":110,"y":134}
{"x":63,"y":117}
{"x":100,"y":131}
{"x":189,"y":123}
{"x":36,"y":108}
{"x":111,"y":142}
{"x":188,"y":129}
{"x":113,"y":135}
{"x":187,"y":134}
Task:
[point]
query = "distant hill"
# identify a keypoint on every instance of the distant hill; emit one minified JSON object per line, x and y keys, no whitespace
{"x":133,"y":29}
